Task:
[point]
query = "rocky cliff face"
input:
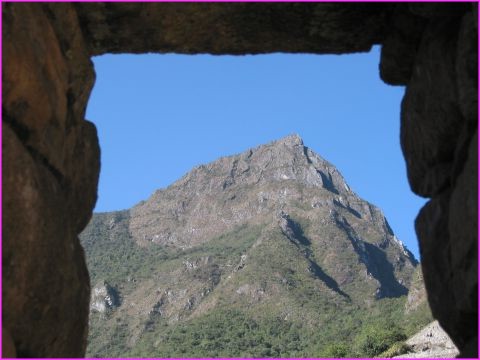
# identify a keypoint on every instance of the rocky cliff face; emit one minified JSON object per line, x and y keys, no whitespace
{"x":417,"y":294}
{"x":254,"y":231}
{"x":262,"y":186}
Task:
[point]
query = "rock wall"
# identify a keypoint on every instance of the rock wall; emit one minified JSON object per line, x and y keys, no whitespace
{"x":241,"y":28}
{"x":50,"y":171}
{"x":439,"y":141}
{"x":51,"y":153}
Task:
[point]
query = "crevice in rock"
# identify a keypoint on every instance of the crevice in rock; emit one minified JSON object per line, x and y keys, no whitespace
{"x":305,"y":152}
{"x":328,"y":182}
{"x":22,"y":131}
{"x":348,"y":208}
{"x":23,"y":135}
{"x":376,"y":263}
{"x":294,"y":233}
{"x":318,"y":272}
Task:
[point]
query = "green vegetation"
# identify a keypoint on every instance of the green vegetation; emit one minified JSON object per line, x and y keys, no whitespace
{"x":233,"y":333}
{"x":224,"y":333}
{"x":377,"y":338}
{"x":286,"y":310}
{"x":396,"y":349}
{"x":112,"y":254}
{"x":336,"y":350}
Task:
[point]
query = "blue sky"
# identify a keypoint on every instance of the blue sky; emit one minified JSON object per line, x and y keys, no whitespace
{"x":160,"y":115}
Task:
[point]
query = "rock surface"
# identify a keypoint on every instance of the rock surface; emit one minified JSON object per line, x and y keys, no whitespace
{"x":50,"y":173}
{"x":417,"y":294}
{"x":399,"y":48}
{"x":104,"y":297}
{"x":48,"y":75}
{"x":430,"y":342}
{"x":265,"y":182}
{"x":233,"y":29}
{"x":430,"y":111}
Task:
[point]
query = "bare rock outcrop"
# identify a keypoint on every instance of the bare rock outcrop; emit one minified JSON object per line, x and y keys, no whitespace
{"x":104,"y":297}
{"x":430,"y":342}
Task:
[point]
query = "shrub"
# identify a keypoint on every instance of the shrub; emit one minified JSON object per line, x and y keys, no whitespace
{"x":377,"y":338}
{"x":336,"y":350}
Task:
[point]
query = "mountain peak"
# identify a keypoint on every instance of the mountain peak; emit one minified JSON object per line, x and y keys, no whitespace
{"x":290,"y":140}
{"x":285,"y":159}
{"x":245,"y":187}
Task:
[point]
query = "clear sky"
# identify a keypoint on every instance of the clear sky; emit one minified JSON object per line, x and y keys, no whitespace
{"x":160,"y":115}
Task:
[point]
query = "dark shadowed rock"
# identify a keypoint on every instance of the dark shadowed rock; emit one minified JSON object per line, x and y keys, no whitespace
{"x":441,"y":164}
{"x":45,"y":299}
{"x":467,"y":67}
{"x":448,"y":265}
{"x":464,"y":264}
{"x":234,"y":29}
{"x":439,"y":10}
{"x":399,"y":48}
{"x":50,"y":173}
{"x":432,"y":229}
{"x":431,"y":117}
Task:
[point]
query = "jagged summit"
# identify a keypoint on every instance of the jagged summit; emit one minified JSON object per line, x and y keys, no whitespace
{"x":260,"y":182}
{"x":289,"y":140}
{"x":285,"y":159}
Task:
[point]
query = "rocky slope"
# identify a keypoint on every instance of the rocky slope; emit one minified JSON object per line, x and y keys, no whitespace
{"x":431,"y":342}
{"x":269,"y":239}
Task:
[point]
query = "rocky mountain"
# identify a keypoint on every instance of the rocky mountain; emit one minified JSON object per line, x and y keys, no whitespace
{"x":265,"y":253}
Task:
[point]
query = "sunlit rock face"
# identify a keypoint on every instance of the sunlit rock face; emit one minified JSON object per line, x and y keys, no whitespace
{"x":246,"y":233}
{"x":51,"y":154}
{"x":430,"y":342}
{"x":103,"y":298}
{"x":264,"y":186}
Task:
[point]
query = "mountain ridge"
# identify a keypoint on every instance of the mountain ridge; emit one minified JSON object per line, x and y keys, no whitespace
{"x":273,"y":232}
{"x":282,"y":166}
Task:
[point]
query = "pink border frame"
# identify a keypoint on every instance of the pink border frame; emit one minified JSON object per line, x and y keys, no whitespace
{"x":1,"y":93}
